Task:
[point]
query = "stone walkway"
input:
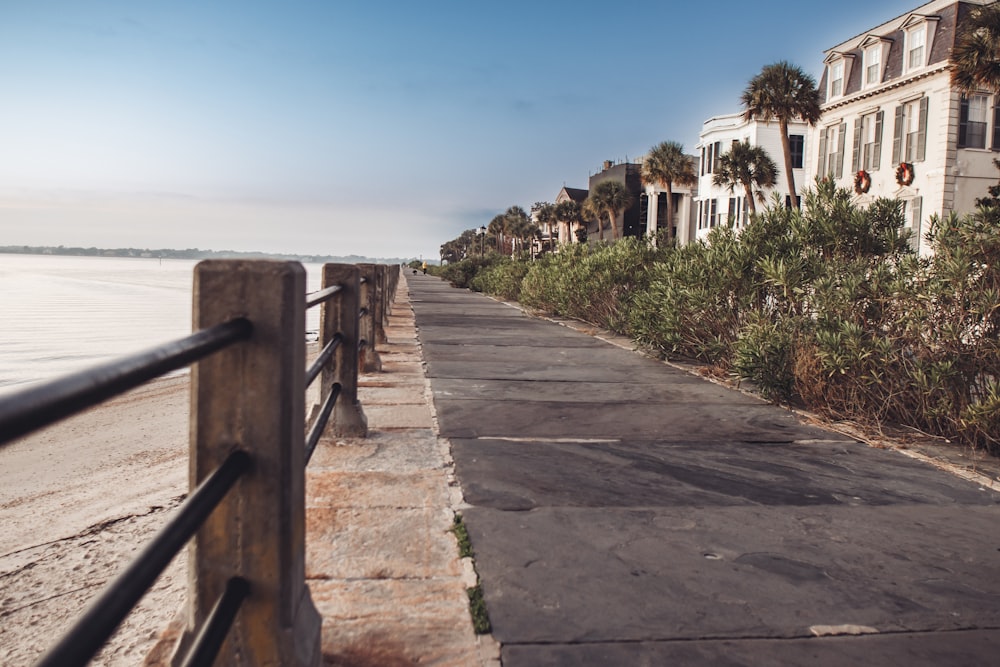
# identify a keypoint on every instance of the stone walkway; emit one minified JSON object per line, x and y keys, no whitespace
{"x":381,"y":561}
{"x":623,"y":512}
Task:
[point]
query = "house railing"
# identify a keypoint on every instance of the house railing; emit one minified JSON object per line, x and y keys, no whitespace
{"x":248,"y":602}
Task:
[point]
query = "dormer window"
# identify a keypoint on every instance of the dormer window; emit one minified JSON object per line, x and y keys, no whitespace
{"x":837,"y":79}
{"x":916,"y":41}
{"x":873,"y":65}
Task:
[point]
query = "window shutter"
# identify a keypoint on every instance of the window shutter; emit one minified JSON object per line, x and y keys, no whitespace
{"x":822,"y":153}
{"x":922,"y":130}
{"x":877,"y":148}
{"x":841,"y":147}
{"x":963,"y":122}
{"x":996,"y":126}
{"x":918,"y":213}
{"x":856,"y":157}
{"x":897,"y":135}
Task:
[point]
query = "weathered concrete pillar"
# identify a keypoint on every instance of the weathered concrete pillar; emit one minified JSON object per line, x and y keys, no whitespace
{"x":370,"y":361}
{"x":341,"y":315}
{"x":251,"y":396}
{"x":382,"y":298}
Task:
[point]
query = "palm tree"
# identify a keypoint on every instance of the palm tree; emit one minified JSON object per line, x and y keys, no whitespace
{"x":666,"y":165}
{"x":498,"y":227}
{"x":568,"y":213}
{"x":610,"y":197}
{"x":782,"y":92}
{"x":545,"y":213}
{"x":976,"y":55}
{"x":749,"y":166}
{"x":518,"y":224}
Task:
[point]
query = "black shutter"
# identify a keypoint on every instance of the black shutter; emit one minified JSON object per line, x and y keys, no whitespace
{"x":963,"y":122}
{"x":996,"y":126}
{"x":841,"y":148}
{"x":897,"y":135}
{"x":922,"y":130}
{"x":856,"y":157}
{"x":877,"y":149}
{"x":821,"y":162}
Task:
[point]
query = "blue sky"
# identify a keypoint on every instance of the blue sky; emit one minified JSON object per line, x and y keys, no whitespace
{"x":357,"y":127}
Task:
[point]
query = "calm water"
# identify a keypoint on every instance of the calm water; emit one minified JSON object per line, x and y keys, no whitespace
{"x":61,"y":314}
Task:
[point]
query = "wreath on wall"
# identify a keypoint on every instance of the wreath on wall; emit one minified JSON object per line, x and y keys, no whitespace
{"x":904,"y":173}
{"x":862,"y":182}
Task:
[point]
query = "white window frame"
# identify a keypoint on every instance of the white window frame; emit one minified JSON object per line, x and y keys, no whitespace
{"x":908,"y":57}
{"x":837,"y":70}
{"x":873,"y":59}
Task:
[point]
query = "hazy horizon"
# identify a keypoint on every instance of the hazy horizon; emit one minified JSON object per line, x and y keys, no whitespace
{"x":376,"y":129}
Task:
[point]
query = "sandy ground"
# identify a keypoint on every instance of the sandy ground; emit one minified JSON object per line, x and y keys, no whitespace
{"x":77,"y":502}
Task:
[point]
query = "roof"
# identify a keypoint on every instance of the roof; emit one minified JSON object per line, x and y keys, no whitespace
{"x":576,"y":194}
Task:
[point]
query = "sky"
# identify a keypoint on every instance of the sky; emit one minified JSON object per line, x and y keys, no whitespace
{"x":369,"y":127}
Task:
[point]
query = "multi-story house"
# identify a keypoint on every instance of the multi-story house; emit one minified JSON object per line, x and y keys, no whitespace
{"x":894,"y":126}
{"x":629,"y":223}
{"x":653,"y":208}
{"x":717,"y":205}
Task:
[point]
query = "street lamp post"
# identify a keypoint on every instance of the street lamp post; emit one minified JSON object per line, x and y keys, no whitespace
{"x":482,"y":241}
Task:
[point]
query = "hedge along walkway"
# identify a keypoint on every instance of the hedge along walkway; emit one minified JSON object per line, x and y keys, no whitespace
{"x":382,"y":564}
{"x":624,"y":512}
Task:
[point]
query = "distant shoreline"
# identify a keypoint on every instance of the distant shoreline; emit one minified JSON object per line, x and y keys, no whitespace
{"x":192,"y":253}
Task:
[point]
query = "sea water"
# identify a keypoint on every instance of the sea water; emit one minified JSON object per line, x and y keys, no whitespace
{"x":60,"y":314}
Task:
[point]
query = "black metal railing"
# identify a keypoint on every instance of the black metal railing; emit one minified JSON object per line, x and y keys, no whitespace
{"x":269,"y":330}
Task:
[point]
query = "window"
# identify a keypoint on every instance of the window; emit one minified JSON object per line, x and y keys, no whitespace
{"x":735,"y":212}
{"x":837,"y":78}
{"x":796,"y":143}
{"x":868,"y":142}
{"x":915,"y":42}
{"x":909,"y":140}
{"x":713,"y":212}
{"x":710,"y":158}
{"x":832,"y":141}
{"x":718,"y":154}
{"x":873,"y":65}
{"x":973,"y":119}
{"x":913,"y":214}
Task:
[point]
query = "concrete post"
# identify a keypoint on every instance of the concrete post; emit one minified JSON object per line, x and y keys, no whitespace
{"x":370,"y":361}
{"x":251,"y":396}
{"x":381,"y":297}
{"x":341,"y":315}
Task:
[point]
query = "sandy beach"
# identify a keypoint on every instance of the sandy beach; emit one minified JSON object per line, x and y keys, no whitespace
{"x":78,"y":500}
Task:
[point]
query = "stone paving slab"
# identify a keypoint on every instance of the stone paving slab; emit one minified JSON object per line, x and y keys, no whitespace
{"x":558,"y":575}
{"x":735,"y":422}
{"x":525,"y":474}
{"x":394,"y":623}
{"x":904,"y":650}
{"x":567,"y":392}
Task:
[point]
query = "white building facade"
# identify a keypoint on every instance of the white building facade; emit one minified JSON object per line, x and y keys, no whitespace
{"x":894,"y":126}
{"x":717,"y":205}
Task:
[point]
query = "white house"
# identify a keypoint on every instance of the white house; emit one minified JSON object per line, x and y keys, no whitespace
{"x":717,"y":205}
{"x":894,"y":126}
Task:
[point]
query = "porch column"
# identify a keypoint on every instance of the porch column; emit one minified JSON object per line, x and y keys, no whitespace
{"x":652,"y":203}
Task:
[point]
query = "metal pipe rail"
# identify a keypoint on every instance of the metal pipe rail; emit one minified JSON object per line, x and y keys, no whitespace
{"x":249,"y":603}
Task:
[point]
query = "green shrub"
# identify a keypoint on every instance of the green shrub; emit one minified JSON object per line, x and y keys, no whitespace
{"x":502,"y":278}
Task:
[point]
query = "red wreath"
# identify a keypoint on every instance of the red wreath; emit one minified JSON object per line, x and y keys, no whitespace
{"x":904,"y":173}
{"x":862,"y":182}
